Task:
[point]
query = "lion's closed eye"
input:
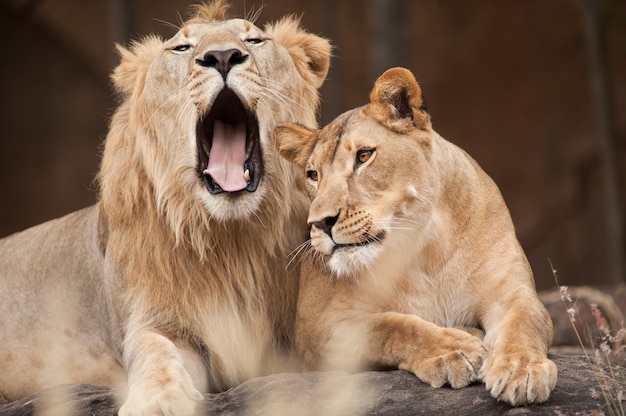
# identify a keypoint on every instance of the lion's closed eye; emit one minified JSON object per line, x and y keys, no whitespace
{"x":182,"y":48}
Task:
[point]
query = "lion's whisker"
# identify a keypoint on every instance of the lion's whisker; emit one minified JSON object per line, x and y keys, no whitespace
{"x":270,"y":113}
{"x":297,"y":101}
{"x":170,"y":24}
{"x":253,"y":15}
{"x":176,"y":95}
{"x":279,"y":100}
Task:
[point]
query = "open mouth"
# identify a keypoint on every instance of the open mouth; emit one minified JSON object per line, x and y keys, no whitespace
{"x":229,"y":146}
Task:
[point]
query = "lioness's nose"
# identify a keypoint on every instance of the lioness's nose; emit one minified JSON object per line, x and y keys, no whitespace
{"x":223,"y":61}
{"x":325,"y":224}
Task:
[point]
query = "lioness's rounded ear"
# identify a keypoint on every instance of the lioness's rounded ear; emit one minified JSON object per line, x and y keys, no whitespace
{"x":310,"y":53}
{"x":396,"y":101}
{"x":294,"y":142}
{"x":134,"y":63}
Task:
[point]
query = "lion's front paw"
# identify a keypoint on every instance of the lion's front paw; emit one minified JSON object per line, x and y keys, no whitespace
{"x":519,"y":379}
{"x":454,"y":358}
{"x":169,"y":396}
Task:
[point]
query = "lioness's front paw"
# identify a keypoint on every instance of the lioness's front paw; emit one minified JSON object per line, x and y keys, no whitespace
{"x":173,"y":397}
{"x":454,"y":358}
{"x":519,"y":379}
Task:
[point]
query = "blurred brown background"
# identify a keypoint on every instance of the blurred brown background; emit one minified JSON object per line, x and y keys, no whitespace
{"x":535,"y":90}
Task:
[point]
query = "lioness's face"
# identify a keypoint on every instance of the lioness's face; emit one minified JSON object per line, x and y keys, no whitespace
{"x":370,"y":175}
{"x":218,"y":89}
{"x":369,"y":189}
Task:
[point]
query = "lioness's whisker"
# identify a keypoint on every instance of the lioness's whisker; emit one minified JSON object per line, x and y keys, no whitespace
{"x":299,"y":252}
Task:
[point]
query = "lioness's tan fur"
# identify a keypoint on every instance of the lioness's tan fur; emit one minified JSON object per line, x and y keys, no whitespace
{"x":412,"y":242}
{"x":162,"y":285}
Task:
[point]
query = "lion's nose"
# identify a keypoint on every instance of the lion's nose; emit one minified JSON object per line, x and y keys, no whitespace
{"x":223,"y":61}
{"x":326,"y":224}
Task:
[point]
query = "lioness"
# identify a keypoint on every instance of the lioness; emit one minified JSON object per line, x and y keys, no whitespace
{"x":413,"y":241}
{"x":176,"y":282}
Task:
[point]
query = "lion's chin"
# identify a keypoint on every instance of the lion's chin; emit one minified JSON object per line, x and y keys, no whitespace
{"x":229,"y":147}
{"x":232,"y":206}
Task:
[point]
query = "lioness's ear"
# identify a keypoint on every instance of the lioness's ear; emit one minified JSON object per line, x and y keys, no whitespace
{"x":294,"y":142}
{"x":134,"y":63}
{"x":396,"y":101}
{"x":310,"y":53}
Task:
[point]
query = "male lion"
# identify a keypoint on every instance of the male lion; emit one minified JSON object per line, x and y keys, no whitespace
{"x":413,"y":241}
{"x":176,"y":282}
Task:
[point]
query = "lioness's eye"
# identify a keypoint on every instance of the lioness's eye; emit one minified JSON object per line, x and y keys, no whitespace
{"x":363,"y":156}
{"x":312,"y":174}
{"x":181,"y":48}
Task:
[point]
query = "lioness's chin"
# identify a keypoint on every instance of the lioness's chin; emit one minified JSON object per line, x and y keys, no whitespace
{"x":352,"y":261}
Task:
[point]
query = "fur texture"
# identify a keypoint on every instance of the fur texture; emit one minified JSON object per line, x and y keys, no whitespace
{"x":415,"y":255}
{"x":170,"y":284}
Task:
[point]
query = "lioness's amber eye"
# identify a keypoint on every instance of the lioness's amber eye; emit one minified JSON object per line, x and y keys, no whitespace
{"x":312,"y":174}
{"x":364,"y":155}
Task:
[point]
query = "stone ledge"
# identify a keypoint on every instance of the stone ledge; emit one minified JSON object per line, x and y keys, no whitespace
{"x":396,"y":393}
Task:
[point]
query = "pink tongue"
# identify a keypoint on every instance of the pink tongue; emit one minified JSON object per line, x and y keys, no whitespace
{"x":228,"y":154}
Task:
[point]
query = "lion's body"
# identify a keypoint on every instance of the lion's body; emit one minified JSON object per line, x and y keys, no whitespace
{"x":176,"y":282}
{"x":59,"y":329}
{"x":413,"y":243}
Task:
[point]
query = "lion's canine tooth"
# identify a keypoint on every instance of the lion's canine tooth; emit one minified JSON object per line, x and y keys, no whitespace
{"x":246,"y":175}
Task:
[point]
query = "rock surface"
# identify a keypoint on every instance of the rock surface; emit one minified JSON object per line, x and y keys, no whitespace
{"x":583,"y":388}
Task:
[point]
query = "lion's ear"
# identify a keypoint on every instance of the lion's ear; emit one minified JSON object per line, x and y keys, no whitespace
{"x":396,"y":102}
{"x":310,"y":53}
{"x":294,"y":142}
{"x":134,"y":63}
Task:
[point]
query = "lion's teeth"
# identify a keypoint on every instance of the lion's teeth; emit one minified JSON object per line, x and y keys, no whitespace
{"x":246,"y":175}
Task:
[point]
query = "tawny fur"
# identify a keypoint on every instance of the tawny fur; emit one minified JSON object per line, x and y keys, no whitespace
{"x":162,"y":285}
{"x":413,"y":250}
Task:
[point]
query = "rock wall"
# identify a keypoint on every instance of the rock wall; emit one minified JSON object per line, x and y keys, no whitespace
{"x":507,"y":81}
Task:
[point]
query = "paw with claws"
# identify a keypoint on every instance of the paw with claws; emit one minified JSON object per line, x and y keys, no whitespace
{"x":455,"y":360}
{"x":519,"y":378}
